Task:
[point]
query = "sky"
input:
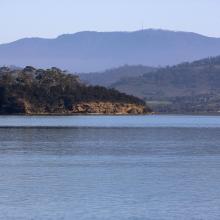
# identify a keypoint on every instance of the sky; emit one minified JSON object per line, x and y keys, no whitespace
{"x":50,"y":18}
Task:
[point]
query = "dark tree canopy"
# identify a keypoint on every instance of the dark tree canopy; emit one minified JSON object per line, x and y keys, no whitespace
{"x":51,"y":89}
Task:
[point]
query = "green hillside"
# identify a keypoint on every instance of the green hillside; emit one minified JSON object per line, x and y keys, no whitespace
{"x":187,"y":87}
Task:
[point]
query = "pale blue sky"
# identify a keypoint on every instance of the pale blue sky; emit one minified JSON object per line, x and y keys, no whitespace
{"x":49,"y":18}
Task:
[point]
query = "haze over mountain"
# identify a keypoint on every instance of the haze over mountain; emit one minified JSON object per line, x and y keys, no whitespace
{"x":111,"y":76}
{"x":96,"y":51}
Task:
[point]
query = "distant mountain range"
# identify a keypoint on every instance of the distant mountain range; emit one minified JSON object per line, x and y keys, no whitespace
{"x":96,"y":51}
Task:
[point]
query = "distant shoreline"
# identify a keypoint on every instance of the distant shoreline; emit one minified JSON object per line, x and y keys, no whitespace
{"x":125,"y":115}
{"x":77,"y":114}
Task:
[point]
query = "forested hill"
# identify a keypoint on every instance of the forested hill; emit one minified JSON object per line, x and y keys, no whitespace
{"x":37,"y":91}
{"x":185,"y":87}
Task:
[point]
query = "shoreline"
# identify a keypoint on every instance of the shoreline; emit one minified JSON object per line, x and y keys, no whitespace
{"x":98,"y":114}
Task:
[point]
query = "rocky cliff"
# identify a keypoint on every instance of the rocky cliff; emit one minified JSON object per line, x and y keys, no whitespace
{"x":110,"y":108}
{"x":100,"y":108}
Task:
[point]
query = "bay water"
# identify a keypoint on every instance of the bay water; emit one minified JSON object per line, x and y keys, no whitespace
{"x":110,"y":167}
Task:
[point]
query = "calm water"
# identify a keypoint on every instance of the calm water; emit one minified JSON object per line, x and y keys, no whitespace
{"x":110,"y":168}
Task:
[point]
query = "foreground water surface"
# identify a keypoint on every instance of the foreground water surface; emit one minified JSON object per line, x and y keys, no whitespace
{"x":110,"y":168}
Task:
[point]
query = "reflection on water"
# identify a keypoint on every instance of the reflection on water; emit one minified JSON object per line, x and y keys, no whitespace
{"x":136,"y":172}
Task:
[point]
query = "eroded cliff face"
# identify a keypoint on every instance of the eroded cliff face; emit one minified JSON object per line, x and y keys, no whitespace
{"x":110,"y":108}
{"x":91,"y":108}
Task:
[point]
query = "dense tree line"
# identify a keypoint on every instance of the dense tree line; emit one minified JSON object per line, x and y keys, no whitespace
{"x":50,"y":89}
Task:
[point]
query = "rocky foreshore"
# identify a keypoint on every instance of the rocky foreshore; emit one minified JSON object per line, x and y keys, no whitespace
{"x":99,"y":108}
{"x":110,"y":108}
